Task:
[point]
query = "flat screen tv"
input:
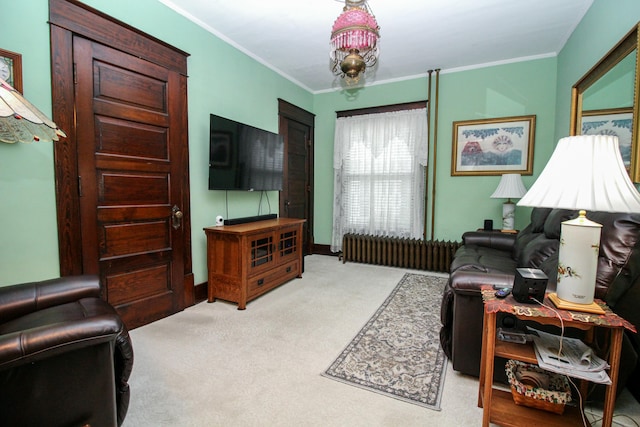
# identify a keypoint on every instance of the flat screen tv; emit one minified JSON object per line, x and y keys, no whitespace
{"x":242,"y":157}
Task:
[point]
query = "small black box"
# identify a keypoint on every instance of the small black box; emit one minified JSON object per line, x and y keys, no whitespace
{"x":488,"y":225}
{"x":529,"y":284}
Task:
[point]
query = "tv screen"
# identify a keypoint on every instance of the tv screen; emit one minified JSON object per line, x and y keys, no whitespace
{"x":242,"y":157}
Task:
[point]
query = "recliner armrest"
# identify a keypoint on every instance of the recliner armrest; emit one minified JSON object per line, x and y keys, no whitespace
{"x":38,"y":343}
{"x":471,"y":281}
{"x":19,"y":300}
{"x":495,"y":240}
{"x":462,"y":314}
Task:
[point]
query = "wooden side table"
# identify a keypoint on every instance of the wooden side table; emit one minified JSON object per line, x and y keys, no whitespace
{"x":498,"y":405}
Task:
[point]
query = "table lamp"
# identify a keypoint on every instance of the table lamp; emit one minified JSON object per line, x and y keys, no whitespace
{"x":510,"y":186}
{"x":21,"y":121}
{"x":585,"y":172}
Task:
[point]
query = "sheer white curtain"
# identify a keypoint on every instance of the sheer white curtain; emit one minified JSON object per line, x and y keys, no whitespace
{"x":379,"y":175}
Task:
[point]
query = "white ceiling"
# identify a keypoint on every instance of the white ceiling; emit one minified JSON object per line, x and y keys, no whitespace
{"x":292,"y":36}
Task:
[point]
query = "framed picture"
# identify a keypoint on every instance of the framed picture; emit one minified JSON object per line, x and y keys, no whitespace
{"x":493,"y":146}
{"x":614,"y":122}
{"x":220,"y":155}
{"x":11,"y":68}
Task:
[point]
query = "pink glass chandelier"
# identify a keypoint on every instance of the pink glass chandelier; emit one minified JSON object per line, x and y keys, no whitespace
{"x":354,"y":41}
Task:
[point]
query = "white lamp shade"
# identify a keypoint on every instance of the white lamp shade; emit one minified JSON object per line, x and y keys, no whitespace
{"x":585,"y":172}
{"x":510,"y":186}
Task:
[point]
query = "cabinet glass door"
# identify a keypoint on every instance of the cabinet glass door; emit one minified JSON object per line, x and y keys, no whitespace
{"x":262,"y":250}
{"x":288,"y":244}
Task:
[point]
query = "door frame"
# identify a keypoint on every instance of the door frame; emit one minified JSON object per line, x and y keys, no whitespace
{"x":288,"y":111}
{"x":68,"y":18}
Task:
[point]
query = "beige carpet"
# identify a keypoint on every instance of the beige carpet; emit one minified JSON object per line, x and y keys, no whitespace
{"x":213,"y":365}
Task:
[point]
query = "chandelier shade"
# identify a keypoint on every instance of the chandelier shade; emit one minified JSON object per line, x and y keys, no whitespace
{"x":21,"y":121}
{"x":354,"y":41}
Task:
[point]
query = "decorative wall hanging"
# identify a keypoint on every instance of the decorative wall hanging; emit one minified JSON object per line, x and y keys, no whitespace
{"x":493,"y":146}
{"x":11,"y":68}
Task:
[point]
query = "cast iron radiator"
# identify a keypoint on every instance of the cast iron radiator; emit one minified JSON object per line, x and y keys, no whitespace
{"x":399,"y":252}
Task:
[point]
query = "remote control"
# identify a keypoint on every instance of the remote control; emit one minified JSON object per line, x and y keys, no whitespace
{"x":503,"y":292}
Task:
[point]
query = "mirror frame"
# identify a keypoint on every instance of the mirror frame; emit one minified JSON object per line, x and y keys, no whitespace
{"x":624,"y":47}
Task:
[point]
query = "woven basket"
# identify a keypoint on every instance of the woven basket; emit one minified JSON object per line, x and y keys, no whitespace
{"x":552,"y":399}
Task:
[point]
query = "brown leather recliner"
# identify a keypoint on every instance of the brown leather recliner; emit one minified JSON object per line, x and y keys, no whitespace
{"x":65,"y":355}
{"x":491,"y":259}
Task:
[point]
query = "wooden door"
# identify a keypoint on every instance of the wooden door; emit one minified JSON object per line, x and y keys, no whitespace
{"x":296,"y":198}
{"x":128,"y":148}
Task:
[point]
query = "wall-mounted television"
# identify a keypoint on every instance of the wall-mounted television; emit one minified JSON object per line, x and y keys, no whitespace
{"x":242,"y":157}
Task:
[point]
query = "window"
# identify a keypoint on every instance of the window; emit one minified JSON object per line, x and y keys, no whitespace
{"x":379,"y":175}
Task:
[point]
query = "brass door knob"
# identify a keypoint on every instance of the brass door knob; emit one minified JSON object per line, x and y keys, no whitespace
{"x":176,"y":217}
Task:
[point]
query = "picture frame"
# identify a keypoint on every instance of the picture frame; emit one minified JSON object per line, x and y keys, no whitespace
{"x":220,"y":155}
{"x":614,"y":122}
{"x":11,"y":68}
{"x":493,"y":146}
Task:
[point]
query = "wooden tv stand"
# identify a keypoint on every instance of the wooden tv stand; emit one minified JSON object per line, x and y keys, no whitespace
{"x":246,"y":260}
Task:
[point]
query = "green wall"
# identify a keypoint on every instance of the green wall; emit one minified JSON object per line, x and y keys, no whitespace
{"x":516,"y":89}
{"x":224,"y":81}
{"x":28,"y":236}
{"x":602,"y":27}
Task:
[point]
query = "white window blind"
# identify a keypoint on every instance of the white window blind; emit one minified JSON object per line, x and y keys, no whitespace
{"x":379,"y":175}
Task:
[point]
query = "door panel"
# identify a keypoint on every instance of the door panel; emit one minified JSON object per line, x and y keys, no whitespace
{"x":143,"y":140}
{"x":130,"y":181}
{"x":131,"y":286}
{"x":121,"y":238}
{"x":144,"y":91}
{"x":297,"y":167}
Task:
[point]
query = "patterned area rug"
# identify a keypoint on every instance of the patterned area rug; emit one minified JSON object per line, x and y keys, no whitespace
{"x":397,"y":353}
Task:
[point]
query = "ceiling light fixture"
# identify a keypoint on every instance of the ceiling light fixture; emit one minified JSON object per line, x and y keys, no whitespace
{"x":354,"y":41}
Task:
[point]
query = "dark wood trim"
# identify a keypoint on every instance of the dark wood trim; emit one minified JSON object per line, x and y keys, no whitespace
{"x":293,"y":112}
{"x":323,"y":250}
{"x":289,"y":111}
{"x":383,"y":109}
{"x":65,"y":154}
{"x":72,"y":16}
{"x":201,"y":292}
{"x":183,"y":123}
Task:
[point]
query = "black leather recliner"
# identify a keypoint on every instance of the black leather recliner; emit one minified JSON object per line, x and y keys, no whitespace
{"x":65,"y":355}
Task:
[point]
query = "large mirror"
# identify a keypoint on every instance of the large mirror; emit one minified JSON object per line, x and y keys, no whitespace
{"x":604,"y":100}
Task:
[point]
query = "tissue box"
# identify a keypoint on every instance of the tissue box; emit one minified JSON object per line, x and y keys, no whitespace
{"x":529,"y":284}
